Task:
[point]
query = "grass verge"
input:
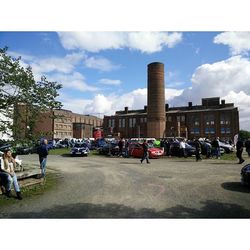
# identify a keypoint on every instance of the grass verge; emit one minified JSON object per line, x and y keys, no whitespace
{"x":32,"y":191}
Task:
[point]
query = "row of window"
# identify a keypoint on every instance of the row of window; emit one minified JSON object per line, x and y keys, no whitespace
{"x":62,"y":134}
{"x":122,"y":122}
{"x":62,"y":126}
{"x":132,"y":122}
{"x":209,"y":120}
{"x":210,"y":130}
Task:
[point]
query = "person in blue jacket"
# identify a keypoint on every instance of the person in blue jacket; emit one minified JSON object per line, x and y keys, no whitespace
{"x":43,"y":153}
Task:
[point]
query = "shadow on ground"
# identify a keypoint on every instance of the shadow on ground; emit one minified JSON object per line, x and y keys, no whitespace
{"x":236,"y":186}
{"x":211,"y":209}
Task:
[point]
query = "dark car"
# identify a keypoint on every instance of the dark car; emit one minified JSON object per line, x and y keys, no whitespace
{"x":245,"y":175}
{"x":176,"y":151}
{"x":23,"y":149}
{"x":80,"y":149}
{"x":110,"y":148}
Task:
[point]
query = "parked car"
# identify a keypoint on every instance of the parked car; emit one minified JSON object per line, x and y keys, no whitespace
{"x":110,"y":148}
{"x":245,"y":175}
{"x":176,"y":151}
{"x":136,"y":150}
{"x":80,"y":149}
{"x":227,"y":147}
{"x":23,"y":149}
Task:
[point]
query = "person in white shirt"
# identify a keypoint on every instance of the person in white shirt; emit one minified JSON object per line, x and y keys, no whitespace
{"x":7,"y":169}
{"x":183,"y":148}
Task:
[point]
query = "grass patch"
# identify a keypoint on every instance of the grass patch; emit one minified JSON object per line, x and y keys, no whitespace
{"x":65,"y":151}
{"x":32,"y":191}
{"x":229,"y":157}
{"x":59,"y":151}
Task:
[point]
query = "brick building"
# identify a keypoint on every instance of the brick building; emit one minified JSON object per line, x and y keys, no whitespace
{"x":210,"y":119}
{"x":60,"y":124}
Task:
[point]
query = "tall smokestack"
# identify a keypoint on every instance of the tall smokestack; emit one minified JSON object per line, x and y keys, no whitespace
{"x":156,"y":116}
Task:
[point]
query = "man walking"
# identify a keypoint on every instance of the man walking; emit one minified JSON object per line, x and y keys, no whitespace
{"x":145,"y":151}
{"x":43,"y":153}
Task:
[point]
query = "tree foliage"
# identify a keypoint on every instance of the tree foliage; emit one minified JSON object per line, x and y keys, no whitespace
{"x":244,"y":134}
{"x":18,"y":86}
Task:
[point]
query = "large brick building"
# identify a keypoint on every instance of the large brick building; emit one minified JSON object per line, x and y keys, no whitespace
{"x":60,"y":124}
{"x":210,"y":119}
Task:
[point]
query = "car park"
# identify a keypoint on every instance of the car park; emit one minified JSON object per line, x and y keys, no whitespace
{"x":80,"y":149}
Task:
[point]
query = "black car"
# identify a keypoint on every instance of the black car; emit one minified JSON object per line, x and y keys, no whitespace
{"x":80,"y":149}
{"x":245,"y":175}
{"x":175,"y":149}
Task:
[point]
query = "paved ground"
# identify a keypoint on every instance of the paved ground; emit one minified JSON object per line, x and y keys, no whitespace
{"x":103,"y":187}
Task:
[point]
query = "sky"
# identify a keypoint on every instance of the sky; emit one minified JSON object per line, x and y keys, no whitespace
{"x":102,"y":72}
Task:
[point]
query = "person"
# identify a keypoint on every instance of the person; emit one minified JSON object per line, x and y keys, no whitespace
{"x":247,"y":145}
{"x":216,"y":147}
{"x":120,"y":145}
{"x":145,"y":152}
{"x":43,"y":153}
{"x":8,"y":174}
{"x":127,"y":143}
{"x":197,"y":149}
{"x":239,"y":150}
{"x":183,"y":148}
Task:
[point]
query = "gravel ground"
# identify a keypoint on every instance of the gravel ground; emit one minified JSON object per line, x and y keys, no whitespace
{"x":103,"y":187}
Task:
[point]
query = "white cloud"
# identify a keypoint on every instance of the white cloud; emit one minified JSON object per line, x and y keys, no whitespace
{"x":238,"y":42}
{"x":109,"y":81}
{"x":146,"y":42}
{"x":109,"y":104}
{"x":73,"y":81}
{"x":228,"y":79}
{"x":100,"y":63}
{"x":242,"y":101}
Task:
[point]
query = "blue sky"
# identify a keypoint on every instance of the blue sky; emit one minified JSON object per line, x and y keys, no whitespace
{"x":102,"y":72}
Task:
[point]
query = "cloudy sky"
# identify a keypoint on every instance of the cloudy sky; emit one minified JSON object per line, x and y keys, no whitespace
{"x":102,"y":72}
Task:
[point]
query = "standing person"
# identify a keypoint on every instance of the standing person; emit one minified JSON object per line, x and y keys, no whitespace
{"x":145,"y":152}
{"x":247,"y":145}
{"x":8,"y":173}
{"x":197,"y":149}
{"x":120,"y":145}
{"x":183,"y":148}
{"x":43,"y":153}
{"x":127,"y":143}
{"x":239,"y":150}
{"x":216,"y":147}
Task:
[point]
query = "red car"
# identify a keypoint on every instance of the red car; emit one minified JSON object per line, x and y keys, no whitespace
{"x":136,"y":150}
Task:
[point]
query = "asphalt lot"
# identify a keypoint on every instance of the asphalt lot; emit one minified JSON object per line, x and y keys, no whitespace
{"x":105,"y":187}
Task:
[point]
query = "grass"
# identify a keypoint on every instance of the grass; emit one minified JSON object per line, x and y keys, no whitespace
{"x":32,"y":191}
{"x":229,"y":157}
{"x":61,"y":151}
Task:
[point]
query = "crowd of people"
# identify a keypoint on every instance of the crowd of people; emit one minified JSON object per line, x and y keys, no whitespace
{"x":8,"y":162}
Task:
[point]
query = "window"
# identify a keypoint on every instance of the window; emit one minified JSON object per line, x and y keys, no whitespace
{"x":141,"y":120}
{"x":122,"y":123}
{"x":145,"y":119}
{"x":228,"y":130}
{"x":196,"y":123}
{"x":196,"y":130}
{"x":111,"y":123}
{"x":183,"y":118}
{"x":223,"y":130}
{"x":178,"y":118}
{"x":212,"y":122}
{"x":132,"y":122}
{"x":170,"y":118}
{"x":209,"y":130}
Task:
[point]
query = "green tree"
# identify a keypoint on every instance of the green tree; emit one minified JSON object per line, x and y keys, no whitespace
{"x":244,"y":134}
{"x":18,"y":86}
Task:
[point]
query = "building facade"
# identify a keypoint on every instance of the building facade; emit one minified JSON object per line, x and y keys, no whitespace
{"x":210,"y":119}
{"x":61,"y":124}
